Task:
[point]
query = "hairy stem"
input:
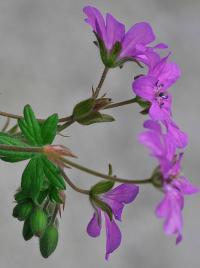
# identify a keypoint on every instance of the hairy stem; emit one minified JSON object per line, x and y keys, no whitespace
{"x":21,"y":149}
{"x":103,"y":77}
{"x":122,"y":103}
{"x":104,"y":176}
{"x":68,"y":120}
{"x":72,"y":185}
{"x":56,"y":209}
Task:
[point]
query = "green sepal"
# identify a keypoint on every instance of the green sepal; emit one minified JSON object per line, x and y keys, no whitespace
{"x":110,"y":170}
{"x":12,"y":156}
{"x":33,"y":177}
{"x":122,"y":61}
{"x":83,"y":109}
{"x":38,"y":222}
{"x":42,"y":195}
{"x":49,"y":241}
{"x":103,"y":206}
{"x":53,"y":174}
{"x":15,"y":212}
{"x":49,"y":129}
{"x":54,"y":195}
{"x":30,"y":127}
{"x":102,"y":49}
{"x":102,"y":187}
{"x":26,"y":231}
{"x":157,"y":178}
{"x":96,"y":117}
{"x":112,"y":56}
{"x":144,"y":104}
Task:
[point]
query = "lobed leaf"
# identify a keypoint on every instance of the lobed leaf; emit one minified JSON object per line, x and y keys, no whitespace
{"x":12,"y":156}
{"x":30,"y":127}
{"x":49,"y":129}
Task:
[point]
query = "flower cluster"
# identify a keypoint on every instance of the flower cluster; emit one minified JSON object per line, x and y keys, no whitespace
{"x":163,"y":137}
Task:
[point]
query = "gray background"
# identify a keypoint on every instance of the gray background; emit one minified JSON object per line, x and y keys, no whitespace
{"x":47,"y":59}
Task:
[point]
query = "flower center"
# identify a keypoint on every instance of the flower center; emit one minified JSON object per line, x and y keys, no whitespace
{"x":160,"y":96}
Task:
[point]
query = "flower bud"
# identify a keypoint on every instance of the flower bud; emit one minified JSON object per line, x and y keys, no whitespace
{"x":49,"y":241}
{"x":27,"y":232}
{"x":22,"y":211}
{"x":83,"y":109}
{"x":38,"y":221}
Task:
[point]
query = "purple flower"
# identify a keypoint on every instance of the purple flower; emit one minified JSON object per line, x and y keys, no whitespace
{"x":134,"y":42}
{"x":153,"y":86}
{"x":115,"y":199}
{"x":174,"y":185}
{"x":163,"y":144}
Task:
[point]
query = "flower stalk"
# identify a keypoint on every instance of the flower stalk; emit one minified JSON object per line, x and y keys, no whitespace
{"x":104,"y":176}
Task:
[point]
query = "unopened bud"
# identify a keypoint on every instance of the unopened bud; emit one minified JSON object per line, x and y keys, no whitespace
{"x":49,"y":241}
{"x":27,"y":232}
{"x":22,"y":211}
{"x":38,"y":222}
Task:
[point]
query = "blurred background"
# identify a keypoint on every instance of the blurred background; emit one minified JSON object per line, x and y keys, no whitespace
{"x":47,"y":59}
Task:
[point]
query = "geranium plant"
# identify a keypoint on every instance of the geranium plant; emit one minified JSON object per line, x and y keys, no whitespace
{"x":40,"y":198}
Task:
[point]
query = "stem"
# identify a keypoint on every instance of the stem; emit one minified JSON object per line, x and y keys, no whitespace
{"x":122,"y":103}
{"x":6,"y":124}
{"x":15,"y":116}
{"x":72,"y":185}
{"x":104,"y":176}
{"x":65,"y":125}
{"x":56,"y":209}
{"x":103,"y":77}
{"x":21,"y":149}
{"x":68,"y":120}
{"x":9,"y":115}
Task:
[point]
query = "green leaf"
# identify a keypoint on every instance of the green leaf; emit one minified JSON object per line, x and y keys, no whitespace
{"x":49,"y":129}
{"x":33,"y":177}
{"x":49,"y":241}
{"x":53,"y":174}
{"x":83,"y":109}
{"x":38,"y":222}
{"x":12,"y":156}
{"x":102,"y":187}
{"x":96,"y":117}
{"x":30,"y":127}
{"x":105,"y":207}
